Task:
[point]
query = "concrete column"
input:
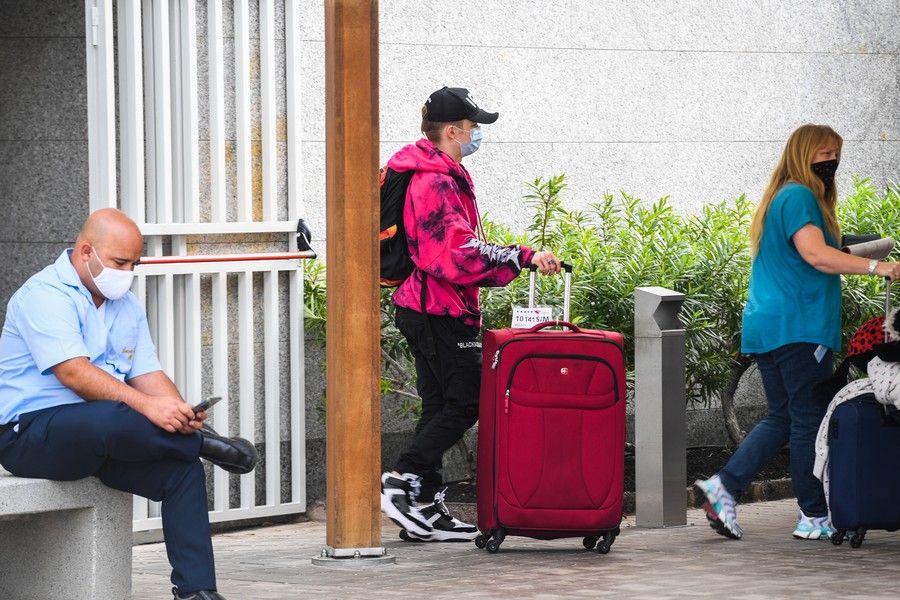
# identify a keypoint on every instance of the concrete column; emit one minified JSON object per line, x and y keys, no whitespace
{"x":659,"y":419}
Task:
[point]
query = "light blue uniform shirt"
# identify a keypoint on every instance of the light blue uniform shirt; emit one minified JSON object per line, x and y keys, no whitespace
{"x":788,"y":300}
{"x":51,"y":319}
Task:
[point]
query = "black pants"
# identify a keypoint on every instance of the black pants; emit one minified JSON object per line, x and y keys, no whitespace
{"x":448,"y":376}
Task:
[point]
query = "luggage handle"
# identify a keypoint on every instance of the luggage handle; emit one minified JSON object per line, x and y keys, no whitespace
{"x":545,"y":324}
{"x":887,"y":296}
{"x":567,"y":294}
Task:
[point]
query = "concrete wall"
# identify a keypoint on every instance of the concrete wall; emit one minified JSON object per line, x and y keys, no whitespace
{"x":692,"y":99}
{"x":43,"y":135}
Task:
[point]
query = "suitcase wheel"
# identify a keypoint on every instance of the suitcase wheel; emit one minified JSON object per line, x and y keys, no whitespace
{"x":491,"y":540}
{"x":837,"y":538}
{"x":858,"y":537}
{"x":605,"y":544}
{"x":590,"y":542}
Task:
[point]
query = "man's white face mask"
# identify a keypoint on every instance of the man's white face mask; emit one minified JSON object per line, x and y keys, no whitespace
{"x":112,"y":283}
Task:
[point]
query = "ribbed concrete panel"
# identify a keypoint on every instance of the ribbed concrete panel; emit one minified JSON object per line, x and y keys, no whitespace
{"x":729,"y":25}
{"x":592,"y":96}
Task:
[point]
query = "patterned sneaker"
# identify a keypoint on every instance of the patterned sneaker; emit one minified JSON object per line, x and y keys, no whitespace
{"x":813,"y":528}
{"x":719,"y":507}
{"x":445,"y":527}
{"x":398,"y":496}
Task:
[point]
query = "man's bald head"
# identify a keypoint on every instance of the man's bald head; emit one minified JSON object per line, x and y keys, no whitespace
{"x":108,"y":240}
{"x":109,"y":225}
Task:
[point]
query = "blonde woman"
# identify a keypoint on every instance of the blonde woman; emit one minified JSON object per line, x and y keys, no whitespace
{"x":792,"y":325}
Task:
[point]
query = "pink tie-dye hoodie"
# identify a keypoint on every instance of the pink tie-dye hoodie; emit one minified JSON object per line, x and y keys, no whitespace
{"x":441,"y":219}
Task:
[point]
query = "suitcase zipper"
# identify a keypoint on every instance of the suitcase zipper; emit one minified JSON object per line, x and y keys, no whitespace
{"x":512,"y":371}
{"x":500,"y":348}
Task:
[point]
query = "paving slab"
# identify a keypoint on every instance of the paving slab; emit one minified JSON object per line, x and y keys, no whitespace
{"x":273,"y":563}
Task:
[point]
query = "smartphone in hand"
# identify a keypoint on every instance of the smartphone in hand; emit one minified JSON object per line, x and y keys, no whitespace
{"x":206,"y":404}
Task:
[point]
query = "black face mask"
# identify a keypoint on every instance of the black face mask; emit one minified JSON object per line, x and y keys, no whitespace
{"x":825,"y":171}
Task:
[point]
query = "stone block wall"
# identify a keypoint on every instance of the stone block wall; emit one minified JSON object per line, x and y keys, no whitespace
{"x":43,"y":135}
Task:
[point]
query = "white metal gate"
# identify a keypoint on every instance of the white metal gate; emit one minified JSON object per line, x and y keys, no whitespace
{"x":203,"y":306}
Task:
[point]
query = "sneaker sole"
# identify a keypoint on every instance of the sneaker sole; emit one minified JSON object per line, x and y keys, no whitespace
{"x":436,"y":536}
{"x":401,"y":520}
{"x":717,"y":524}
{"x":813,"y":535}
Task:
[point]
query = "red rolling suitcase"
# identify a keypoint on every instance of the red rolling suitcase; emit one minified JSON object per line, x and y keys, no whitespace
{"x":551,"y":434}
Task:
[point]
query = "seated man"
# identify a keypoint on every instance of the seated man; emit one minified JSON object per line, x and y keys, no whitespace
{"x":82,"y":393}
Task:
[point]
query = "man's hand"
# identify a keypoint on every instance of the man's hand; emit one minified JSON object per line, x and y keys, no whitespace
{"x":170,"y":413}
{"x":546,"y":262}
{"x":194,"y":424}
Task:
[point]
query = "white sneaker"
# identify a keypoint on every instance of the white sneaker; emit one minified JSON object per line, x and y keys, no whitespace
{"x":398,"y":502}
{"x":445,"y":527}
{"x":720,"y":508}
{"x":813,"y":528}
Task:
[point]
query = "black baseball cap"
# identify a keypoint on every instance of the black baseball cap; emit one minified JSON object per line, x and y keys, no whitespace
{"x":455,"y":104}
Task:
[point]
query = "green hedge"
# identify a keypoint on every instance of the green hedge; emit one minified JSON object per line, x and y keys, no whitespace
{"x":620,"y":243}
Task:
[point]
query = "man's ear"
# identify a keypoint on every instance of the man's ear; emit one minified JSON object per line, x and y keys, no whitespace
{"x":83,"y":250}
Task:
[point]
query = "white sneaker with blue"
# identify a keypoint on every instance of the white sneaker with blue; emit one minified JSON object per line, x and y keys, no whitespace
{"x":720,"y":508}
{"x":813,"y":528}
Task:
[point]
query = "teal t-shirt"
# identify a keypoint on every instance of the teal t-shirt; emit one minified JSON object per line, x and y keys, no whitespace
{"x":788,"y":300}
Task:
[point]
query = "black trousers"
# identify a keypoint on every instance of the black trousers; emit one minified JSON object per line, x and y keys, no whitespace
{"x":448,"y":375}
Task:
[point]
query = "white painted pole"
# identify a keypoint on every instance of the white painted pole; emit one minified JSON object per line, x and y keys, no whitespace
{"x":100,"y":104}
{"x":217,"y":177}
{"x":131,"y":109}
{"x":242,"y":110}
{"x":272,"y":360}
{"x":247,"y":378}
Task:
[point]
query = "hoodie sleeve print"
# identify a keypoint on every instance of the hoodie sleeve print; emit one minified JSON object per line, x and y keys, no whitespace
{"x":446,"y":243}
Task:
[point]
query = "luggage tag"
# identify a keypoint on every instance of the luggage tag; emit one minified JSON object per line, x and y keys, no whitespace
{"x":524,"y":317}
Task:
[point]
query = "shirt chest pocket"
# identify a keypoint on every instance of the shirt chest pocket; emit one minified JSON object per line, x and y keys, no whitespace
{"x":121,"y":345}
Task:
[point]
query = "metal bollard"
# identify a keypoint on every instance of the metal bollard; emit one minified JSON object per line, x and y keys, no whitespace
{"x":659,"y":413}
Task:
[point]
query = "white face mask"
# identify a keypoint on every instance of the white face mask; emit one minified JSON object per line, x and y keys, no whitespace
{"x":112,"y":283}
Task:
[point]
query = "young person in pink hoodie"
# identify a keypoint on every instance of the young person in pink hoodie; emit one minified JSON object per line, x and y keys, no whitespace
{"x":452,"y":261}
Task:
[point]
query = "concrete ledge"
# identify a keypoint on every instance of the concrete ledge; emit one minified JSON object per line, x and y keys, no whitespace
{"x":64,"y":539}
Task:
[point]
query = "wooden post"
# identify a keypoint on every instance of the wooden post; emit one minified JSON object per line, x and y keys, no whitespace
{"x":353,"y":332}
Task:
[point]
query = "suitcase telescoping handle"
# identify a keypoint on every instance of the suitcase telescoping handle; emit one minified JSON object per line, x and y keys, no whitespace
{"x":567,"y":294}
{"x":887,"y":296}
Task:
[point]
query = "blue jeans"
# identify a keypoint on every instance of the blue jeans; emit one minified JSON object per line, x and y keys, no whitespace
{"x":789,"y":374}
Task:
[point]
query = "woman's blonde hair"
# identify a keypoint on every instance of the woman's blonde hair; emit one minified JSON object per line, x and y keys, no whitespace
{"x":795,"y":165}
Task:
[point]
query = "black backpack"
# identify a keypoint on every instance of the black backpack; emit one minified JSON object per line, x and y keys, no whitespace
{"x":396,"y":265}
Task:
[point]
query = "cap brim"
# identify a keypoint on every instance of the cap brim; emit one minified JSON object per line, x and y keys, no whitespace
{"x":484,"y":117}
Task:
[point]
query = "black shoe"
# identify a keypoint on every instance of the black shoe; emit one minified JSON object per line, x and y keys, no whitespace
{"x":398,"y":495}
{"x":201,"y":595}
{"x":445,"y":527}
{"x":235,"y":455}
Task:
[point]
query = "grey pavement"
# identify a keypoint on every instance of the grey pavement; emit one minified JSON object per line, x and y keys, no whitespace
{"x":273,"y":563}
